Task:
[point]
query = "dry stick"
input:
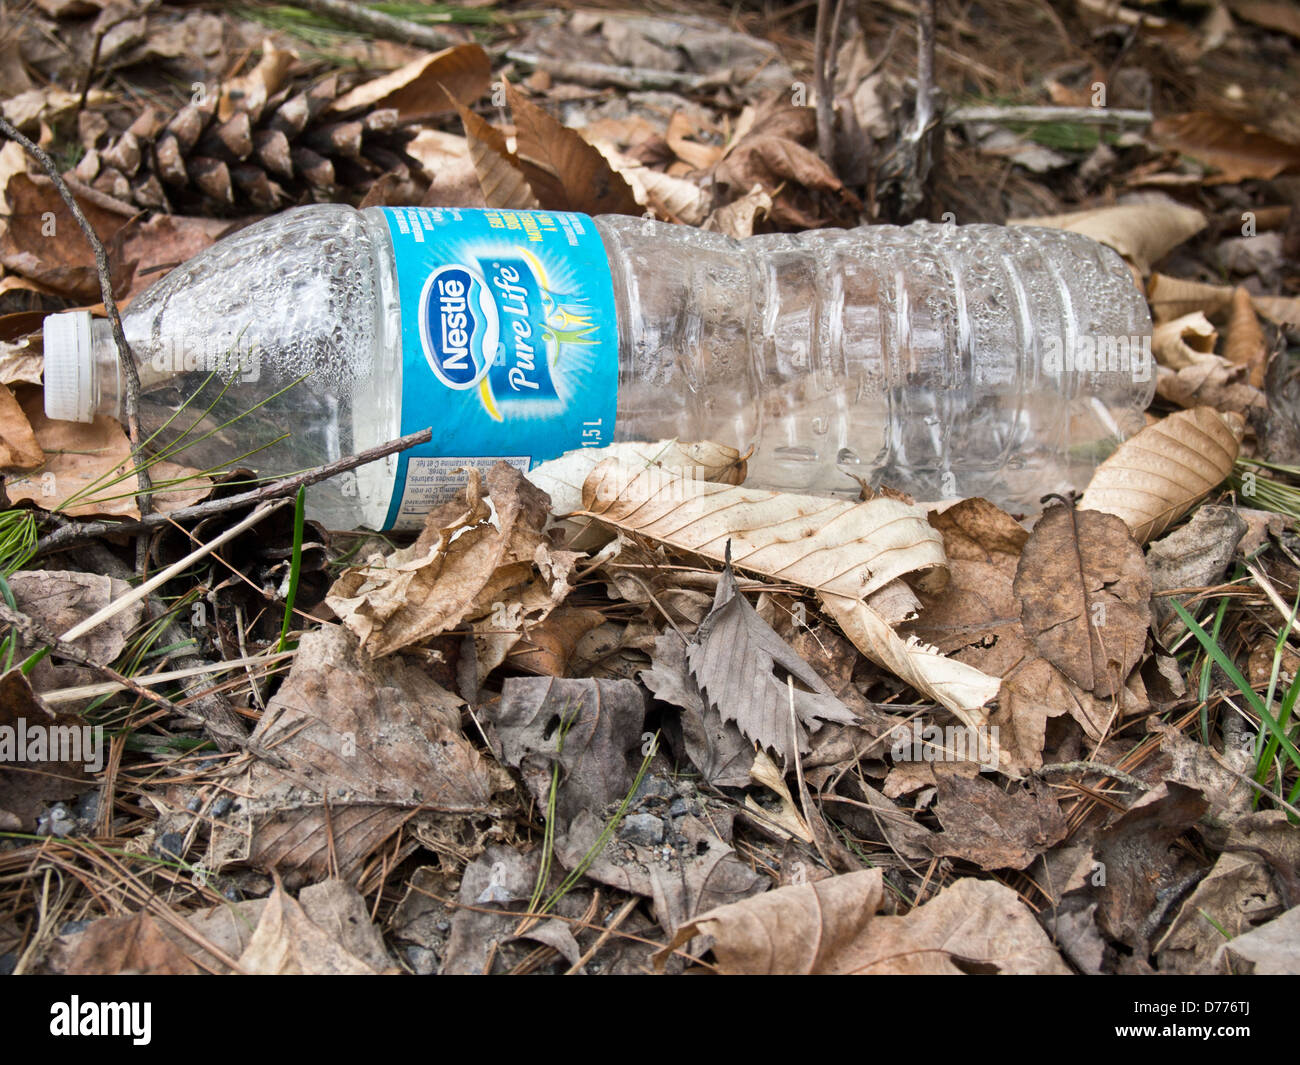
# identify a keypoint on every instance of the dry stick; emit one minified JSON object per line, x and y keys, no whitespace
{"x":821,"y":72}
{"x":33,"y":632}
{"x":163,"y":576}
{"x":80,"y":532}
{"x":601,"y":74}
{"x":124,"y":357}
{"x":1080,"y":116}
{"x":924,"y":65}
{"x":357,"y":17}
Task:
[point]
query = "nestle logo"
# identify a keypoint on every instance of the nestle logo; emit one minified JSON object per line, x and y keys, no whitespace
{"x":458,"y":326}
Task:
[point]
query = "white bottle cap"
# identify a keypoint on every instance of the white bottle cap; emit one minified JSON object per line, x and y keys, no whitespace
{"x":69,"y":367}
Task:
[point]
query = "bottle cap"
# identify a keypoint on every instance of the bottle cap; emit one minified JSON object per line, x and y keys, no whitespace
{"x":69,"y":367}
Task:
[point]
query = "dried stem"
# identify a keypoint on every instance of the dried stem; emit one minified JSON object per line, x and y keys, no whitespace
{"x":80,"y":532}
{"x":377,"y":24}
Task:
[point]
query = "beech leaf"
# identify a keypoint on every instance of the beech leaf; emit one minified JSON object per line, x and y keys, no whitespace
{"x":1158,"y":475}
{"x":1085,"y":596}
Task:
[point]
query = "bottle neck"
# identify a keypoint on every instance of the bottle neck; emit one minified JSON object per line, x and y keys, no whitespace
{"x":106,"y":380}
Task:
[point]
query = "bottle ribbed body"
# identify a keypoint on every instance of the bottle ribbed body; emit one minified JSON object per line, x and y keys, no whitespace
{"x":943,"y":360}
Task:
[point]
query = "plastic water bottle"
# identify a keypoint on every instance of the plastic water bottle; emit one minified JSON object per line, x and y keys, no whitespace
{"x":941,"y":360}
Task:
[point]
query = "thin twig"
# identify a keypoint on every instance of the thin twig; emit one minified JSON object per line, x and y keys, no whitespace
{"x":377,"y":24}
{"x":1093,"y":767}
{"x":823,"y":86}
{"x":602,"y":74}
{"x":33,"y":632}
{"x":77,"y":533}
{"x":1083,"y":116}
{"x":124,"y":357}
{"x":924,"y":65}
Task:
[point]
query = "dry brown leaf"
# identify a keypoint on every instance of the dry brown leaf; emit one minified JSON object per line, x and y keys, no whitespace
{"x":18,"y":446}
{"x":976,"y":620}
{"x":993,"y":827}
{"x":1143,"y":233}
{"x":831,"y":927}
{"x":290,"y":941}
{"x":1183,"y":341}
{"x":737,"y":218}
{"x":963,"y":689}
{"x":1085,"y":596}
{"x":565,"y":172}
{"x":1271,"y":14}
{"x":458,"y":570}
{"x":694,"y":154}
{"x":732,"y":659}
{"x":828,"y":545}
{"x":496,"y":166}
{"x":136,"y":944}
{"x":80,"y":460}
{"x":43,"y":243}
{"x":548,"y":645}
{"x":1211,"y":382}
{"x":664,"y":196}
{"x":1157,"y":476}
{"x":425,"y":87}
{"x":1245,"y":345}
{"x":1236,"y":152}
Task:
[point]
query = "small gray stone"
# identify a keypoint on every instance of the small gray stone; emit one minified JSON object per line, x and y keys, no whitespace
{"x":644,"y":830}
{"x":678,"y":808}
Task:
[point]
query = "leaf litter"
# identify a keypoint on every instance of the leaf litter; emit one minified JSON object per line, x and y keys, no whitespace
{"x":626,"y":712}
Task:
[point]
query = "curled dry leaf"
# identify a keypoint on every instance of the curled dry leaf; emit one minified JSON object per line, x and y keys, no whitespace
{"x":1143,"y":233}
{"x":1171,"y":297}
{"x":1158,"y":475}
{"x":565,"y":172}
{"x":828,"y":545}
{"x":1085,"y":596}
{"x":737,"y":218}
{"x":962,"y":688}
{"x":1245,"y":345}
{"x":428,"y":86}
{"x":1235,"y":151}
{"x":831,"y":927}
{"x":562,"y":478}
{"x":1183,"y":341}
{"x":1211,"y":382}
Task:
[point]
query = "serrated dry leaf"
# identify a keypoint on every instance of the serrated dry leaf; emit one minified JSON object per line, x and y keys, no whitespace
{"x":425,"y":87}
{"x":831,"y":927}
{"x":1085,"y":596}
{"x":1157,"y":476}
{"x":1183,"y":341}
{"x":827,"y":545}
{"x":565,"y":172}
{"x":961,"y":688}
{"x":1142,"y":232}
{"x":1235,"y":151}
{"x":1245,"y":344}
{"x":18,"y":446}
{"x":732,"y":659}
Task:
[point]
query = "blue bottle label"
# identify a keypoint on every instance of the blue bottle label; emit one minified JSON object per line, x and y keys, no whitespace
{"x":509,"y":344}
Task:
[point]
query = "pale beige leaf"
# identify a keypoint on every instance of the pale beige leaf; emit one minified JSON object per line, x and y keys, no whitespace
{"x":831,"y":927}
{"x":1182,"y":341}
{"x":828,"y":545}
{"x":18,"y":446}
{"x":1143,"y":233}
{"x":1245,"y":345}
{"x":562,"y":478}
{"x":1158,"y":475}
{"x":668,"y":197}
{"x":1284,"y":310}
{"x":421,"y":88}
{"x":1174,"y":297}
{"x":961,"y":688}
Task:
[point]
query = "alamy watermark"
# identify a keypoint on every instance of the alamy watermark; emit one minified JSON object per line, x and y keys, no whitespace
{"x":193,"y":356}
{"x":1088,"y":353}
{"x":25,"y":742}
{"x":947,"y":743}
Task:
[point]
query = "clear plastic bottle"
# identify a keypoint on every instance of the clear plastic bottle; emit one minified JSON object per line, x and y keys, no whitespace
{"x":941,"y":360}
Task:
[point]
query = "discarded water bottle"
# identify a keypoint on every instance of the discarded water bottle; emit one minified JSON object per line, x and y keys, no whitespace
{"x":941,"y":360}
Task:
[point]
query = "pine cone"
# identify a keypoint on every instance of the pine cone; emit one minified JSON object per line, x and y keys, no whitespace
{"x":267,"y":154}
